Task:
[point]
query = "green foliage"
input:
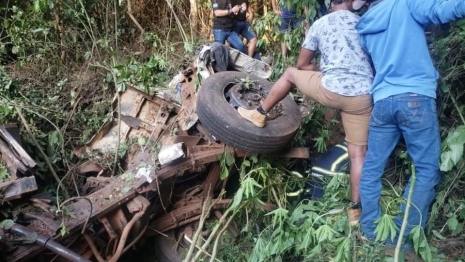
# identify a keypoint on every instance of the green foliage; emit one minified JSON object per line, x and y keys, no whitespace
{"x":420,"y":243}
{"x":94,"y":37}
{"x":30,"y":32}
{"x":453,"y":149}
{"x":386,"y":227}
{"x":313,"y":229}
{"x":147,"y":76}
{"x":269,"y":37}
{"x":4,"y":175}
{"x":226,"y":160}
{"x":316,"y":127}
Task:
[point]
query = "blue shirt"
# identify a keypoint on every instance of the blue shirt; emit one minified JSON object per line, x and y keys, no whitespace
{"x":392,"y":33}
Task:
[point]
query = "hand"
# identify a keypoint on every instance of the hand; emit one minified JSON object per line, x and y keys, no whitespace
{"x":235,"y":9}
{"x":243,"y":7}
{"x":278,"y":12}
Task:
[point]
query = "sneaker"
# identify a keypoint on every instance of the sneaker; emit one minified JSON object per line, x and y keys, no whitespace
{"x":354,"y":215}
{"x":253,"y":116}
{"x":409,"y":254}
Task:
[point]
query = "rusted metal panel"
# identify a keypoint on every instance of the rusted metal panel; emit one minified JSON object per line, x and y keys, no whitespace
{"x":212,"y":179}
{"x":181,"y":216}
{"x":117,"y":220}
{"x":89,"y":166}
{"x":12,"y":162}
{"x":115,"y":201}
{"x":22,"y":155}
{"x":16,"y":188}
{"x":141,"y":115}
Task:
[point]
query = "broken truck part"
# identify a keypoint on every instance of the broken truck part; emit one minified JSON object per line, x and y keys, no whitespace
{"x":170,"y":166}
{"x":18,"y":163}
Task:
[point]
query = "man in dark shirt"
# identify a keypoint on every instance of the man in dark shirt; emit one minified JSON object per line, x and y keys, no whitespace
{"x":242,"y":26}
{"x":223,"y":22}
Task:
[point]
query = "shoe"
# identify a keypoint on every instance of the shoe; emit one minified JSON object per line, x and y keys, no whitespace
{"x":409,"y":254}
{"x":354,"y":215}
{"x":253,"y":116}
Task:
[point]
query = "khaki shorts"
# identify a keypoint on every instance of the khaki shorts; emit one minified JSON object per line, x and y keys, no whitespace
{"x":355,"y":110}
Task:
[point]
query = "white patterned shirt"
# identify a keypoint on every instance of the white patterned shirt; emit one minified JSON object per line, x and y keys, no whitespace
{"x":345,"y":66}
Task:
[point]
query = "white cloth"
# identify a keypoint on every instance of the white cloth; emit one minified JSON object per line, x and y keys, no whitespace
{"x":345,"y":66}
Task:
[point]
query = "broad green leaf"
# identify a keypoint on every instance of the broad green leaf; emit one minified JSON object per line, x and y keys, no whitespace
{"x":237,"y":198}
{"x":229,"y":158}
{"x":452,"y":223}
{"x":224,"y":173}
{"x":254,"y":159}
{"x":343,"y":250}
{"x":438,"y":235}
{"x":279,"y":216}
{"x":308,"y":240}
{"x":386,"y":227}
{"x":325,"y":232}
{"x":453,"y":152}
{"x":420,"y":243}
{"x":4,"y":175}
{"x":415,"y":233}
{"x":446,"y":161}
{"x":314,"y":252}
{"x":7,"y":224}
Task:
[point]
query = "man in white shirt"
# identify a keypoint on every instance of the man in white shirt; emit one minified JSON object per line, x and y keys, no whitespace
{"x":343,"y":83}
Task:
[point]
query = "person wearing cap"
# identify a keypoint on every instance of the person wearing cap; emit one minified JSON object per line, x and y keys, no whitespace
{"x":343,"y":83}
{"x":223,"y":22}
{"x":404,"y":95}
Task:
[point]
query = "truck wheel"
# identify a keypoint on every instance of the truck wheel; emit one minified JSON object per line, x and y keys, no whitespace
{"x":217,"y":102}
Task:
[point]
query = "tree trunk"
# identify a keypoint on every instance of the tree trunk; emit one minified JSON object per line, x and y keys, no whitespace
{"x":194,"y":17}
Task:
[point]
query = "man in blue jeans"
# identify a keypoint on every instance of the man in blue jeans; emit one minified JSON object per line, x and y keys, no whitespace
{"x":242,"y":26}
{"x":404,"y":96}
{"x":223,"y":23}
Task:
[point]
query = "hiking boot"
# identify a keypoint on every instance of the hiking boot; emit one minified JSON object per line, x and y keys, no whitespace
{"x":253,"y":116}
{"x":354,"y":213}
{"x":409,"y":254}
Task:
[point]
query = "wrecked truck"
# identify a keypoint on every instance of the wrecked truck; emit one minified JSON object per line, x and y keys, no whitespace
{"x":171,"y":166}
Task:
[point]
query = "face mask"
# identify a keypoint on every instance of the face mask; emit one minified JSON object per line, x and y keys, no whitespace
{"x":357,"y":4}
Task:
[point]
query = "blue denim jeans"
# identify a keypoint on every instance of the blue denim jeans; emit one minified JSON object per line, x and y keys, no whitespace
{"x":289,"y":23}
{"x":222,"y":35}
{"x":415,"y":118}
{"x":243,"y":28}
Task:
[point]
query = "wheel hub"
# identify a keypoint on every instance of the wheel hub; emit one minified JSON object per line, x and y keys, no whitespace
{"x":238,"y":96}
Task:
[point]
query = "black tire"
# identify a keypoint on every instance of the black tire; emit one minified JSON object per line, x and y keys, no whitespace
{"x":223,"y":121}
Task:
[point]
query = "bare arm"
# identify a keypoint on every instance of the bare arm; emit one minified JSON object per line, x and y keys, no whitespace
{"x":275,"y":7}
{"x":304,"y":62}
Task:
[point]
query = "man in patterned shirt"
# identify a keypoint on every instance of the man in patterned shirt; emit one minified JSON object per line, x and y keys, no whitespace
{"x":343,"y":83}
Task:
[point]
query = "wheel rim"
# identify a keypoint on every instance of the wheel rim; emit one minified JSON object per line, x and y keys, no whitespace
{"x":237,"y":95}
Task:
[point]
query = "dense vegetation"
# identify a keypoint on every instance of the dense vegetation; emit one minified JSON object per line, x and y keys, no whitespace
{"x":64,"y":61}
